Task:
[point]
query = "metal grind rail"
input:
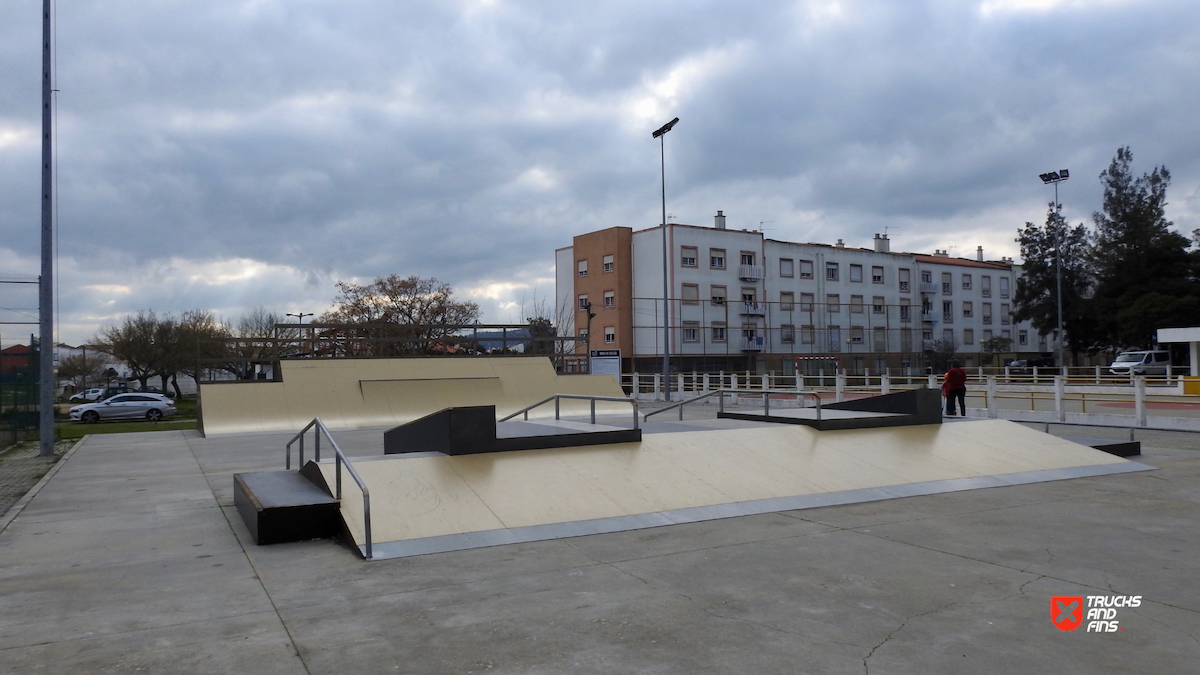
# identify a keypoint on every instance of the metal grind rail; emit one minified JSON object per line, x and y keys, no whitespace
{"x":339,"y":458}
{"x":765,"y":393}
{"x":581,"y":397}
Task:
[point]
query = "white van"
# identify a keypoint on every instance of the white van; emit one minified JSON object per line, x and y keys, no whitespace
{"x":1141,"y":363}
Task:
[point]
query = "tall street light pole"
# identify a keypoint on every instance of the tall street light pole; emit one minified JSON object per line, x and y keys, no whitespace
{"x":1057,"y":177}
{"x":48,"y":378}
{"x":659,"y":134}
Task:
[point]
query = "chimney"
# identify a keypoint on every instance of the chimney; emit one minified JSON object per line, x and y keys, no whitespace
{"x":979,"y":253}
{"x":720,"y":220}
{"x":840,"y":244}
{"x":882,"y":245}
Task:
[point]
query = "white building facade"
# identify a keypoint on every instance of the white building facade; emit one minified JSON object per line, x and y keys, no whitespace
{"x":741,"y":301}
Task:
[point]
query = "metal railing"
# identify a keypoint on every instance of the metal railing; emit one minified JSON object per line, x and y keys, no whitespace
{"x":580,"y":397}
{"x":765,"y":393}
{"x":339,"y":459}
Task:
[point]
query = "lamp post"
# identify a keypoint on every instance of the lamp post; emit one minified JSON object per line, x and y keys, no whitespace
{"x":1057,"y":177}
{"x":300,"y":316}
{"x":659,"y":134}
{"x":587,"y":307}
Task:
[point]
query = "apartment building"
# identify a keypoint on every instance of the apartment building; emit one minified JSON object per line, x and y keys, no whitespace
{"x":741,"y":301}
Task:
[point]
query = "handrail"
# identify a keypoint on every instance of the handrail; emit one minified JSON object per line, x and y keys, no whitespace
{"x":339,"y":458}
{"x":581,"y":397}
{"x":740,"y":392}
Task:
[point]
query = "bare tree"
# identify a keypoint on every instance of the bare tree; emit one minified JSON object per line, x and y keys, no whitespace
{"x":395,"y":315}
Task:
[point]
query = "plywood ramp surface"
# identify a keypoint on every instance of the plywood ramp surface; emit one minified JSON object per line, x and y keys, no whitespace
{"x":349,"y":393}
{"x":438,"y":496}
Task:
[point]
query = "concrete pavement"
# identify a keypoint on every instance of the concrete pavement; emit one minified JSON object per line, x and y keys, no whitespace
{"x":133,"y":559}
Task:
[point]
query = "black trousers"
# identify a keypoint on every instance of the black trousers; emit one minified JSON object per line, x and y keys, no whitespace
{"x":961,"y":395}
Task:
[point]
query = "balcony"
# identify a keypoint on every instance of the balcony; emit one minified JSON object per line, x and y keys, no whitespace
{"x":751,"y":272}
{"x":929,"y":287}
{"x":931,"y":317}
{"x":753,"y":344}
{"x":754,"y":309}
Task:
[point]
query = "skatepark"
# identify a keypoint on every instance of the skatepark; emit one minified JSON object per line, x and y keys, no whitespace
{"x":709,"y":545}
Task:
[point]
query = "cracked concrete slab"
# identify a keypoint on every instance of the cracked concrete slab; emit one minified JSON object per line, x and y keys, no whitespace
{"x":132,"y":558}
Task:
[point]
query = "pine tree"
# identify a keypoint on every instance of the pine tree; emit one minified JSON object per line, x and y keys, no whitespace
{"x":1142,"y":267}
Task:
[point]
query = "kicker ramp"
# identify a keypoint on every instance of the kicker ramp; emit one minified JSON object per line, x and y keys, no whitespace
{"x":354,"y":393}
{"x":428,"y":504}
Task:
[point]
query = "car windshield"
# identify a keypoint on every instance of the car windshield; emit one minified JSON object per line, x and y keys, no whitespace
{"x":1129,"y":358}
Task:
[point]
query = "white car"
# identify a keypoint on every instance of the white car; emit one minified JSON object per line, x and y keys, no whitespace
{"x":1150,"y":362}
{"x":87,"y":395}
{"x":152,"y":407}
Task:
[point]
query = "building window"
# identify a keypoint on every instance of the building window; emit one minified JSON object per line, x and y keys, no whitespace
{"x":880,"y":339}
{"x":806,"y":270}
{"x":718,"y":332}
{"x":906,"y":338}
{"x":987,"y":312}
{"x":1006,"y":334}
{"x":1003,"y":287}
{"x":926,"y":277}
{"x":807,"y":335}
{"x":877,"y":305}
{"x":691,"y":294}
{"x":716,"y":258}
{"x":787,"y":301}
{"x":856,"y":273}
{"x":609,"y":299}
{"x":610,"y":335}
{"x":687,"y":256}
{"x":877,"y":275}
{"x":787,"y":333}
{"x":966,"y":282}
{"x":1023,"y":337}
{"x":835,"y":338}
{"x":747,"y":258}
{"x":947,"y":311}
{"x":904,"y":279}
{"x":691,"y":331}
{"x":985,"y":286}
{"x":968,"y":309}
{"x":987,"y":334}
{"x":833,"y":303}
{"x":968,"y":336}
{"x":948,"y":336}
{"x":807,"y":300}
{"x":856,"y":335}
{"x":608,"y":264}
{"x":856,"y":304}
{"x":583,"y":335}
{"x":831,"y":271}
{"x":582,"y":268}
{"x":786,"y":267}
{"x":748,"y":295}
{"x":905,"y":310}
{"x":718,"y":294}
{"x":1005,"y":319}
{"x":583,"y":302}
{"x":947,"y":283}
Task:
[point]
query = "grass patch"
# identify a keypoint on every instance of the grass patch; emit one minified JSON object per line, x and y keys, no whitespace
{"x":72,"y":431}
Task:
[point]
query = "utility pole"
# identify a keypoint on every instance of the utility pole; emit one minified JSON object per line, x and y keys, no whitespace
{"x":46,"y":282}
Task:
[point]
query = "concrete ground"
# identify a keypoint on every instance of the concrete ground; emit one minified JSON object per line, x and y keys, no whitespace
{"x":131,"y":558}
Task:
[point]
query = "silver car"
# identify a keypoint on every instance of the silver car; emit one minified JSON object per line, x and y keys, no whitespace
{"x":152,"y":407}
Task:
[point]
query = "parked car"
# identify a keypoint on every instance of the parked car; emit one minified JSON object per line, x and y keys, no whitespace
{"x":86,"y":395}
{"x":1026,"y":366}
{"x":113,"y":391}
{"x":152,"y":407}
{"x":1148,"y":362}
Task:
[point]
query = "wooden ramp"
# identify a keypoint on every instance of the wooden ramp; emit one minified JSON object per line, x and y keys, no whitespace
{"x":356,"y":393}
{"x":427,"y":504}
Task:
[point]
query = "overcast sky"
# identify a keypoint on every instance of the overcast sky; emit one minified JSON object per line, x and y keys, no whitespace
{"x":230,"y":154}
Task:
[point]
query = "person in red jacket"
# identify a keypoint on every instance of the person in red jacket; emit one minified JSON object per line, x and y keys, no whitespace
{"x":954,"y":386}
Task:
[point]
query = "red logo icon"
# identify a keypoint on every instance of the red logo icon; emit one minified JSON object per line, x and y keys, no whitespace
{"x":1066,"y":612}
